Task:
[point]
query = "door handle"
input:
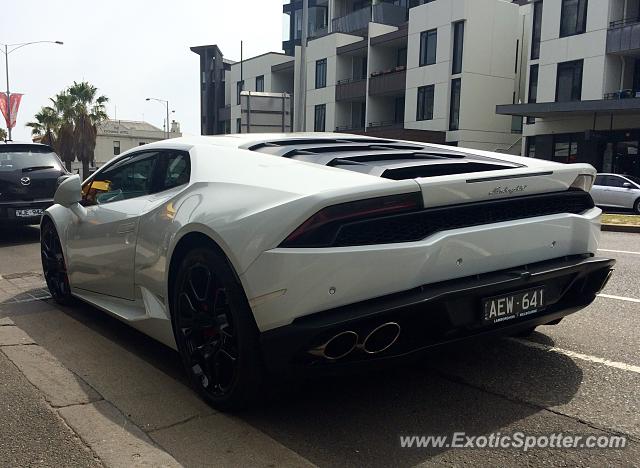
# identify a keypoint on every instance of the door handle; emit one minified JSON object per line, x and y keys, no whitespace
{"x":126,"y":228}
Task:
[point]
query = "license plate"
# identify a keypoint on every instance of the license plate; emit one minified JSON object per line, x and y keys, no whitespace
{"x":29,"y":213}
{"x":512,"y":306}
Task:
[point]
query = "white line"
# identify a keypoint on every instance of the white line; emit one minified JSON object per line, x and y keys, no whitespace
{"x":583,"y":357}
{"x":620,"y":251}
{"x":620,"y":298}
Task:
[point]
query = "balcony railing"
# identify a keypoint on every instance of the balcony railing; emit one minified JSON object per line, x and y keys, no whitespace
{"x":388,"y":82}
{"x":351,"y":89}
{"x":386,"y":124}
{"x":623,"y":37}
{"x":384,"y":13}
{"x":623,"y":94}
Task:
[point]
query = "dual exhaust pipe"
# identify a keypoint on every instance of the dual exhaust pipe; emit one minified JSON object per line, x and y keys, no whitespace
{"x":344,"y":343}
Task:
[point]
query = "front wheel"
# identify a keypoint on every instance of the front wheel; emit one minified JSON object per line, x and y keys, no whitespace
{"x":636,"y":207}
{"x":215,"y":332}
{"x":53,"y":265}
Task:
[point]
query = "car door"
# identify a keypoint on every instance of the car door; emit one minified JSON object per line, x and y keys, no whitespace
{"x":101,"y":244}
{"x":616,"y":194}
{"x":598,"y":191}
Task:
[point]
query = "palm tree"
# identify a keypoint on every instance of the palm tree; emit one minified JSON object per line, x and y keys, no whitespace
{"x":3,"y":134}
{"x":88,"y":112}
{"x":46,"y":125}
{"x":63,"y":104}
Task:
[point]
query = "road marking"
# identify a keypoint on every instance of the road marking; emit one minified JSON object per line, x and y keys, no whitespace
{"x":583,"y":357}
{"x":620,"y":251}
{"x":619,"y":298}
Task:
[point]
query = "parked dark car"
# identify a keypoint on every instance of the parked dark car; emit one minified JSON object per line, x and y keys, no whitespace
{"x":29,"y":176}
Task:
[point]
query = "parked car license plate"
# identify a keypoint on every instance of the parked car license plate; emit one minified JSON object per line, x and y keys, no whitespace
{"x":511,"y":306}
{"x":29,"y":213}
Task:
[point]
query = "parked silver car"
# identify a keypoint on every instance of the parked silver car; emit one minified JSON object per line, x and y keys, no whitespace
{"x":617,"y":191}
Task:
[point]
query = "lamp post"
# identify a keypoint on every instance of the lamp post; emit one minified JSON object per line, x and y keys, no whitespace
{"x":167,"y":130}
{"x":8,"y":48}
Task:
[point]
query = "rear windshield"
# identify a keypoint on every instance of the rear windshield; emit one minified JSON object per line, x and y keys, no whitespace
{"x":13,"y":157}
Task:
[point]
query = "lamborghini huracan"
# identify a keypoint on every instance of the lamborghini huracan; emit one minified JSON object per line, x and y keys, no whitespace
{"x":254,"y":255}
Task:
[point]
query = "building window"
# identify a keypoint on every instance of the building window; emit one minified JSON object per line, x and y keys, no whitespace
{"x":401,"y":58}
{"x":260,"y":84}
{"x":531,"y":147}
{"x":458,"y":44}
{"x":533,"y":84}
{"x":140,"y":143}
{"x":238,"y":125}
{"x":239,"y":89}
{"x":425,"y":102}
{"x":573,"y":19}
{"x":116,"y":148}
{"x":321,"y":73}
{"x":569,"y":81}
{"x":428,"y":45}
{"x":565,"y":148}
{"x":537,"y":30}
{"x":319,"y":120}
{"x":454,"y":106}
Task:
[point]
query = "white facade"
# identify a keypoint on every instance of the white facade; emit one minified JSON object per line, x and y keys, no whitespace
{"x":117,"y":136}
{"x":489,"y":75}
{"x":491,"y":29}
{"x":253,"y":68}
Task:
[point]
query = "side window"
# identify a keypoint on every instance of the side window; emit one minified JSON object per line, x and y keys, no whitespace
{"x":127,"y":178}
{"x":175,"y":170}
{"x":600,"y":180}
{"x":613,"y":181}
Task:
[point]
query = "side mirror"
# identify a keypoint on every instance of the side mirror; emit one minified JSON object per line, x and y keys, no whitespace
{"x":69,"y":191}
{"x":627,"y":185}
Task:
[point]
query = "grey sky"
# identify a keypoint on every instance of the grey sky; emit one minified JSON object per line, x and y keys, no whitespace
{"x":129,"y":50}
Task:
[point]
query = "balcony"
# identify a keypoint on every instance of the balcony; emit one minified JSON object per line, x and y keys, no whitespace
{"x":351,"y":89}
{"x":383,"y":13}
{"x":391,"y":82}
{"x":623,"y":94}
{"x":623,"y":37}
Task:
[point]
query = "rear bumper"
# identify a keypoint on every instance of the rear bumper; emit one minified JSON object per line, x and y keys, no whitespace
{"x":8,"y":211}
{"x":436,"y":314}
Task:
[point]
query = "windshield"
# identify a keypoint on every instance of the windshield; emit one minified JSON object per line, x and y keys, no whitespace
{"x":28,"y":158}
{"x":633,"y":179}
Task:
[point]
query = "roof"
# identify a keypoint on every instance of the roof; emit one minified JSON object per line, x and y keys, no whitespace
{"x":131,"y":125}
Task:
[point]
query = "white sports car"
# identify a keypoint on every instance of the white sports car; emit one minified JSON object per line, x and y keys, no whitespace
{"x":258,"y":254}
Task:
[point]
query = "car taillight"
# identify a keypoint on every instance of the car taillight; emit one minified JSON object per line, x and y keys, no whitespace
{"x":583,"y":182}
{"x":321,"y":228}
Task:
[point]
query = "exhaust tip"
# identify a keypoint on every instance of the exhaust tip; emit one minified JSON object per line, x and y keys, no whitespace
{"x":381,"y":338}
{"x":338,"y":346}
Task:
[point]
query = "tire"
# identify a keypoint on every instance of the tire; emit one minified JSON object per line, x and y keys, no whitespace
{"x":636,"y":207}
{"x":54,"y":266}
{"x":215,"y":331}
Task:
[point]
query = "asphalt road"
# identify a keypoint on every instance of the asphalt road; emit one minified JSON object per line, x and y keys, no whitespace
{"x":581,"y":377}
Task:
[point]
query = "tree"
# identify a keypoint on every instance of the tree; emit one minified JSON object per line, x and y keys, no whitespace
{"x":88,"y":112}
{"x":3,"y":134}
{"x":63,"y":104}
{"x":46,"y":126}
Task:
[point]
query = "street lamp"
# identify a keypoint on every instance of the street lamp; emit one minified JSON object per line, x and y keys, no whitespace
{"x":8,"y":48}
{"x":167,"y":104}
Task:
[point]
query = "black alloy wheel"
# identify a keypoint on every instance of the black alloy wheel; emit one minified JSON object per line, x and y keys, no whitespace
{"x":215,"y":331}
{"x":53,"y":264}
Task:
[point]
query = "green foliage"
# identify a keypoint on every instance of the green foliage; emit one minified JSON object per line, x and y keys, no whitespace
{"x":3,"y":134}
{"x":70,"y":123}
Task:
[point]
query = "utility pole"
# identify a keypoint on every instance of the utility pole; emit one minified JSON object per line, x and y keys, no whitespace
{"x":301,"y":98}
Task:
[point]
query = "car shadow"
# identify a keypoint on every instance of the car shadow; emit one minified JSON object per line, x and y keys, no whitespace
{"x":14,"y":235}
{"x":357,"y":418}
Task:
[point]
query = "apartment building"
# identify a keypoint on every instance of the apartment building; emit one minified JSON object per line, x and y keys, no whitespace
{"x":583,"y":82}
{"x":426,"y":70}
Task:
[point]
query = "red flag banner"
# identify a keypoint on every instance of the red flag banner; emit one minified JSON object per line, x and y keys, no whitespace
{"x":13,"y":104}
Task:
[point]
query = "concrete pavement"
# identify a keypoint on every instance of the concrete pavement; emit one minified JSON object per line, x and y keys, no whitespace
{"x":354,"y":420}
